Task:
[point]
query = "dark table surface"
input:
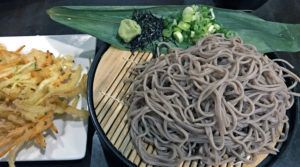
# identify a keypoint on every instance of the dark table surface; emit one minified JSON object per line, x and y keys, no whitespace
{"x":28,"y":17}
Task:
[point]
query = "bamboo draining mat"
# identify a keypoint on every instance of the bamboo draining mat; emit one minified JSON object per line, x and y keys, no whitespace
{"x":109,"y":89}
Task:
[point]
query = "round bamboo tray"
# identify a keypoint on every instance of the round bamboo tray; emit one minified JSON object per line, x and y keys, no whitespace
{"x":106,"y":89}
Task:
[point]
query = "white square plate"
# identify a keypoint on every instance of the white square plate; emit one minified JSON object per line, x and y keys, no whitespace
{"x":70,"y":142}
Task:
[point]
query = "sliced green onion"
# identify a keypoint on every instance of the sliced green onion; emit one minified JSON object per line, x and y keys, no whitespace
{"x":196,"y":27}
{"x":184,"y":26}
{"x":187,"y":14}
{"x":211,"y":29}
{"x":195,"y":8}
{"x":178,"y":36}
{"x":192,"y":34}
{"x":197,"y":16}
{"x":185,"y":35}
{"x":194,"y":23}
{"x":217,"y":26}
{"x":212,"y":13}
{"x":198,"y":35}
{"x":177,"y":29}
{"x":167,"y":33}
{"x":230,"y":34}
{"x":174,"y":22}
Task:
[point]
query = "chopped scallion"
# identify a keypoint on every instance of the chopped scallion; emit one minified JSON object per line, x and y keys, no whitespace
{"x":178,"y":36}
{"x":193,"y":23}
{"x":167,"y":33}
{"x":230,"y":34}
{"x":184,"y":26}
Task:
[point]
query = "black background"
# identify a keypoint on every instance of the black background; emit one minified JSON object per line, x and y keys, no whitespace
{"x":28,"y":17}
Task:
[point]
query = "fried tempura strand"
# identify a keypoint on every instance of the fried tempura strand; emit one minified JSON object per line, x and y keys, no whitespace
{"x":53,"y":128}
{"x":41,"y":140}
{"x":20,"y":48}
{"x":40,"y":126}
{"x":12,"y":154}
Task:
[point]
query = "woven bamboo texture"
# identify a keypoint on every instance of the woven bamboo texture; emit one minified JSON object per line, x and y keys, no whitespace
{"x":109,"y":90}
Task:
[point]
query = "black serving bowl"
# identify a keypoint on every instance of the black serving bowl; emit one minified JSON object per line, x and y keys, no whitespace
{"x":112,"y":155}
{"x":115,"y":158}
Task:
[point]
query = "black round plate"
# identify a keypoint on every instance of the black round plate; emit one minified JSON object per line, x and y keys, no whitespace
{"x":115,"y":158}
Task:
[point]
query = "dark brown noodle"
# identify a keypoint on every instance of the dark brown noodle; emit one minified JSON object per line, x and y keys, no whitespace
{"x":219,"y":101}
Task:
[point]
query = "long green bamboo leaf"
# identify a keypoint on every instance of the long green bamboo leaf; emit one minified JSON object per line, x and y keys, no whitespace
{"x":103,"y":22}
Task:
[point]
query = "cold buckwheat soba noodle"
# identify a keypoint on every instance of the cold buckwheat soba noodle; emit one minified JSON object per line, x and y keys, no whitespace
{"x":219,"y":101}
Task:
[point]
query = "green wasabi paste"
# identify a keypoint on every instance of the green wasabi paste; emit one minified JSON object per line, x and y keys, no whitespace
{"x":129,"y":29}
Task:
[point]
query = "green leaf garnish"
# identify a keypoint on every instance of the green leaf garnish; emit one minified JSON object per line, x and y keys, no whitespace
{"x":103,"y":23}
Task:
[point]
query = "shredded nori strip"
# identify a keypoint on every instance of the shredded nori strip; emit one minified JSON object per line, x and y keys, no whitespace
{"x":152,"y":28}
